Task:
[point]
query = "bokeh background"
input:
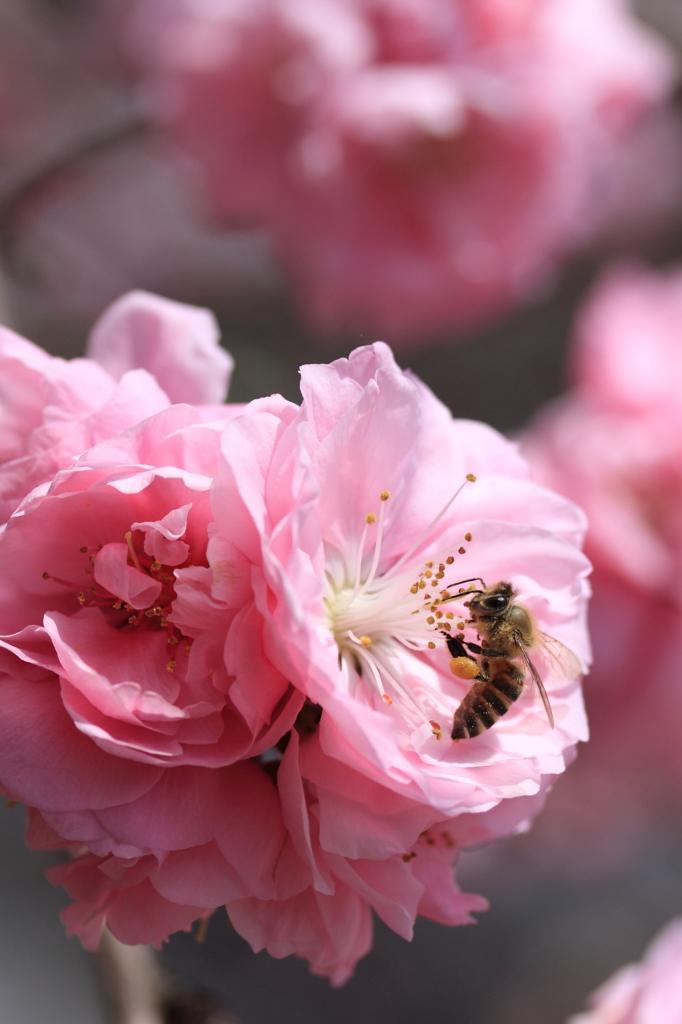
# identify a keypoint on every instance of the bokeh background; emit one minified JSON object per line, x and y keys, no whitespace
{"x":95,"y":200}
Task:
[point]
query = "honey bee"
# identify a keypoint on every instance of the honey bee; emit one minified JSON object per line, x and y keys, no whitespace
{"x":508,"y":632}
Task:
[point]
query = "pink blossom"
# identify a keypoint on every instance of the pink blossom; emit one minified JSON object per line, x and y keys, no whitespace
{"x":613,"y":445}
{"x":336,"y":574}
{"x":421,"y":164}
{"x":52,"y":409}
{"x":118,"y":729}
{"x":289,"y":503}
{"x":379,"y":777}
{"x":649,"y":992}
{"x":190,"y":699}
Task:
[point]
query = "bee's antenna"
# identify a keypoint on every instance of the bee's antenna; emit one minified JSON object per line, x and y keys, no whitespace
{"x":474,"y":579}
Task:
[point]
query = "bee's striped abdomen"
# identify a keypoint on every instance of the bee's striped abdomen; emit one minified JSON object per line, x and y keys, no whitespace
{"x":488,"y":700}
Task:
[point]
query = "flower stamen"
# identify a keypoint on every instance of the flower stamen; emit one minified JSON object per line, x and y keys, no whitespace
{"x":383,"y":497}
{"x":470,"y":478}
{"x":376,"y":618}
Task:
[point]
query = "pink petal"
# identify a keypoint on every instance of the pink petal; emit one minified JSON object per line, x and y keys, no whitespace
{"x":178,"y":344}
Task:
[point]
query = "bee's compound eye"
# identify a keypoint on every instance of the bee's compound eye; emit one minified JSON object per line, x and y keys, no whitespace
{"x":496,"y":602}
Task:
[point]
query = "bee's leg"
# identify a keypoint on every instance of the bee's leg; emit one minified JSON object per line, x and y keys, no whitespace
{"x":484,"y":671}
{"x":487,"y":651}
{"x":462,"y":664}
{"x":455,"y":646}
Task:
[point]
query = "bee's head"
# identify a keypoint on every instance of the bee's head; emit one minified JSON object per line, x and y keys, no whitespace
{"x":494,"y":600}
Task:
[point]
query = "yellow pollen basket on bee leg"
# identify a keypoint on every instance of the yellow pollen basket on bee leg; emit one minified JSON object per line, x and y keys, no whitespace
{"x":464,"y":668}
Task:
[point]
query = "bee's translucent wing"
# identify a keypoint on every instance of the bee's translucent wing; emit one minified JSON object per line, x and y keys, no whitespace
{"x":536,"y":678}
{"x":564,"y":664}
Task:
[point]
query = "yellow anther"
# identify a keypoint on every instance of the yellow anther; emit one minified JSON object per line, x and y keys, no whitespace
{"x":172,"y":639}
{"x":428,"y":574}
{"x":170,"y":666}
{"x":429,"y":565}
{"x":450,"y":559}
{"x":449,"y":615}
{"x":460,"y":625}
{"x":431,"y":644}
{"x":471,"y":478}
{"x":386,"y":699}
{"x":81,"y":597}
{"x":422,"y":584}
{"x":413,"y":589}
{"x":370,"y":518}
{"x":430,"y":620}
{"x":365,"y":641}
{"x":385,"y":495}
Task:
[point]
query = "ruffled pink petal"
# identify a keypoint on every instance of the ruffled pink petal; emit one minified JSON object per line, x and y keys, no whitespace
{"x":332,"y":940}
{"x":199,"y":876}
{"x":162,"y":538}
{"x":178,"y":344}
{"x":47,"y":763}
{"x":126,"y":582}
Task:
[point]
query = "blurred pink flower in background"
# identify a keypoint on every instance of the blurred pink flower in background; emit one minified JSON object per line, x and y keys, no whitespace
{"x":213,"y":678}
{"x":649,"y":992}
{"x":52,"y":409}
{"x":614,"y":445}
{"x":421,"y":164}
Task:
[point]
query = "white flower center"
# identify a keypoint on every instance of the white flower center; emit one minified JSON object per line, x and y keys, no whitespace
{"x":408,"y":607}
